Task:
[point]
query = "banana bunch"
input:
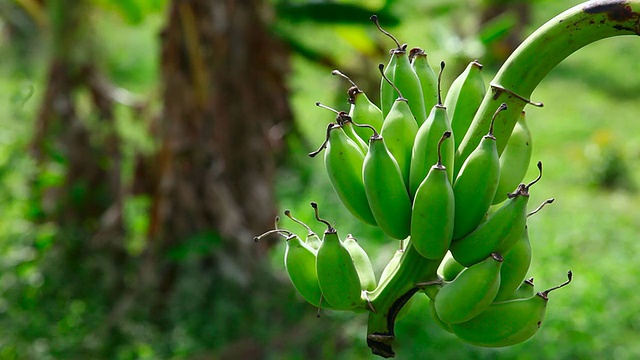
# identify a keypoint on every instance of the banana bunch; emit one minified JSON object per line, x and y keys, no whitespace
{"x":461,"y":221}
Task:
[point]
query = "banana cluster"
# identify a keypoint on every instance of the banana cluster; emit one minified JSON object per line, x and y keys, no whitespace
{"x":398,"y":167}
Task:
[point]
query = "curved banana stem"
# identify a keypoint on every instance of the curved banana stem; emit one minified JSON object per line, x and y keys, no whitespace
{"x":513,"y":85}
{"x":540,"y":53}
{"x":389,"y":298}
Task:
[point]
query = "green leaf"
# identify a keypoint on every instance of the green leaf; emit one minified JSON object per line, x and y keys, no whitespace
{"x":497,"y":28}
{"x":331,"y":13}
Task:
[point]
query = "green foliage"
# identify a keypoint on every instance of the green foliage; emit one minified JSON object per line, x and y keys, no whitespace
{"x":54,"y":306}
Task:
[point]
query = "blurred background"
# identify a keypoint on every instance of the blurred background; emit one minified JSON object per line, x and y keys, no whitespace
{"x":144,"y":143}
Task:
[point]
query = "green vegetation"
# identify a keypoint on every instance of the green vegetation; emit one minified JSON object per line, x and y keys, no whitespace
{"x":585,"y":134}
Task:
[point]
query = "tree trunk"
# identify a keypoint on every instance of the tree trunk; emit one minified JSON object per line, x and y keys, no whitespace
{"x":79,"y":145}
{"x":225,"y":108}
{"x":210,"y":182}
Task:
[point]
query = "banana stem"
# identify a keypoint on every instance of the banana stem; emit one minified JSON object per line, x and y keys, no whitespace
{"x":389,"y":298}
{"x":538,"y":55}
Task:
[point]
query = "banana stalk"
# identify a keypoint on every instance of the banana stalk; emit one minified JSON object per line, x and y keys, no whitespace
{"x":538,"y":55}
{"x":412,"y":274}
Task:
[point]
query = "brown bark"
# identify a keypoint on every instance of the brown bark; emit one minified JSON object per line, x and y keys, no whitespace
{"x":224,"y":106}
{"x":86,"y":206}
{"x":70,"y":137}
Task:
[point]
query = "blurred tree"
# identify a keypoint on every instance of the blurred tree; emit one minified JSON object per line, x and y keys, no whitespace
{"x":225,"y":111}
{"x":76,"y":146}
{"x":502,"y":27}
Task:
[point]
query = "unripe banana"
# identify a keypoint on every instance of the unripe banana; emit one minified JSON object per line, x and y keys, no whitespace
{"x":506,"y":323}
{"x":312,"y":238}
{"x":514,"y":160}
{"x":386,"y":191}
{"x":514,"y":269}
{"x":500,"y":232}
{"x":428,"y":135}
{"x":428,"y":78}
{"x":362,"y":262}
{"x":400,"y":72}
{"x":399,"y":131}
{"x":525,"y":290}
{"x":343,"y":160}
{"x":503,"y":225}
{"x":463,"y":99}
{"x":387,"y":92}
{"x":434,"y":315}
{"x":391,"y":266}
{"x":433,"y":211}
{"x":300,"y":264}
{"x":471,"y":292}
{"x":450,"y":268}
{"x":362,"y":110}
{"x":349,"y":129}
{"x":512,"y":238}
{"x":299,"y":260}
{"x":337,"y":274}
{"x":475,"y":185}
{"x":407,"y":81}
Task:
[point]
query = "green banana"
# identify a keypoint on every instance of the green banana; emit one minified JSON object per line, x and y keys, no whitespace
{"x":525,"y":290}
{"x":345,"y":121}
{"x":362,"y":262}
{"x":434,"y":315}
{"x":471,"y":292}
{"x":400,"y":72}
{"x":387,"y":92}
{"x":399,"y":130}
{"x":343,"y":161}
{"x":299,"y":259}
{"x":475,"y":184}
{"x":300,"y":264}
{"x":426,"y":75}
{"x":391,"y":266}
{"x":386,"y":191}
{"x":463,"y":99}
{"x":512,"y":238}
{"x":362,"y":110}
{"x":514,"y":269}
{"x":312,"y":238}
{"x":514,"y":160}
{"x":433,"y":210}
{"x":450,"y":268}
{"x":499,"y":232}
{"x":407,"y":81}
{"x":337,"y":274}
{"x":508,"y":322}
{"x":428,"y":135}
